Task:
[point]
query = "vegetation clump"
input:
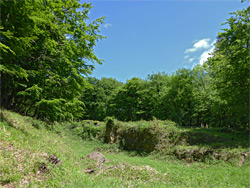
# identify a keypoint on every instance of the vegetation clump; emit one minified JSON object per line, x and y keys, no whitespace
{"x":166,"y":138}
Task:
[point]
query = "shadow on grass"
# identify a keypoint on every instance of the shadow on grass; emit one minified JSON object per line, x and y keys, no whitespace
{"x":216,"y":138}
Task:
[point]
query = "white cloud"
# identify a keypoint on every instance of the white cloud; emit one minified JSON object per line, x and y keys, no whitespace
{"x":191,"y":59}
{"x":107,"y":25}
{"x":205,"y":55}
{"x":201,"y":44}
{"x":204,"y":43}
{"x":190,"y":50}
{"x":205,"y":47}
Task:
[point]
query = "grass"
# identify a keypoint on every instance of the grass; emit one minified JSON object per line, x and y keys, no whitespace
{"x":27,"y":144}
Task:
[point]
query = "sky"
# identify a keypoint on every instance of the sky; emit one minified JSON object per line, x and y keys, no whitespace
{"x":147,"y":37}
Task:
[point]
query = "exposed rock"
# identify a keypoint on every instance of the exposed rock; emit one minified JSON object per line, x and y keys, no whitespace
{"x":110,"y":132}
{"x":9,"y":185}
{"x":126,"y":166}
{"x":241,"y":161}
{"x":150,"y":169}
{"x":89,"y":170}
{"x":54,"y":160}
{"x":43,"y":168}
{"x":217,"y":156}
{"x":243,"y":158}
{"x":100,"y":160}
{"x":97,"y":157}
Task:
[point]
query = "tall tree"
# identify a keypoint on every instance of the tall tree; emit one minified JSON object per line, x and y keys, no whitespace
{"x":158,"y":85}
{"x":178,"y":102}
{"x":204,"y":97}
{"x":229,"y":68}
{"x":97,"y":99}
{"x":46,"y":48}
{"x":128,"y":104}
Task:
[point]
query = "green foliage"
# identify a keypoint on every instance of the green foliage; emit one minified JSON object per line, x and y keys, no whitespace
{"x":130,"y":102}
{"x":177,"y":104}
{"x":110,"y":121}
{"x":214,"y":94}
{"x":157,"y":89}
{"x":46,"y":48}
{"x":229,"y":68}
{"x":88,"y":129}
{"x":97,"y":98}
{"x":47,"y":51}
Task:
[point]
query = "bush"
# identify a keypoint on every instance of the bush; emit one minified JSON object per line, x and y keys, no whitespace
{"x":88,"y":129}
{"x":142,"y":136}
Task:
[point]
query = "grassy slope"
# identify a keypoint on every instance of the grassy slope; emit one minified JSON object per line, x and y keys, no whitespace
{"x":25,"y":145}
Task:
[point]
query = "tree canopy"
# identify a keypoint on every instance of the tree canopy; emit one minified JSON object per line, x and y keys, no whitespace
{"x":229,"y":68}
{"x":215,"y":93}
{"x":46,"y":49}
{"x":47,"y":54}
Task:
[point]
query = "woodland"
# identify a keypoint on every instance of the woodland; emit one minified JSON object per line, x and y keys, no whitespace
{"x":47,"y":56}
{"x":62,"y":127}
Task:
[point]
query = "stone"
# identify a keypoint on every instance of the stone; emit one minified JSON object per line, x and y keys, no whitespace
{"x":89,"y":170}
{"x":97,"y":157}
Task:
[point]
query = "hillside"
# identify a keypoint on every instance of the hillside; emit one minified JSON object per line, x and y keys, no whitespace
{"x":36,"y":154}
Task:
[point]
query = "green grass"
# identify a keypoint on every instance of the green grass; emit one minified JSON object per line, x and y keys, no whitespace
{"x":26,"y":144}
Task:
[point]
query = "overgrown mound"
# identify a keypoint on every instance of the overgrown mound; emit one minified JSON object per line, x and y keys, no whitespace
{"x":166,"y":138}
{"x":142,"y":136}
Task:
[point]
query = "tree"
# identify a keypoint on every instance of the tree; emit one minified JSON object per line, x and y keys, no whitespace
{"x":178,"y":102}
{"x":158,"y":85}
{"x":46,"y":48}
{"x":128,"y":104}
{"x":97,"y":99}
{"x":229,"y":68}
{"x":204,"y":97}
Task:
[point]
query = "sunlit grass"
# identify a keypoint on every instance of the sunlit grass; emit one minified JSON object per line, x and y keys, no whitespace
{"x":26,"y":143}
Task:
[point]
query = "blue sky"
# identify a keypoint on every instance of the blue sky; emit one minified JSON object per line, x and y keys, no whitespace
{"x":145,"y":37}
